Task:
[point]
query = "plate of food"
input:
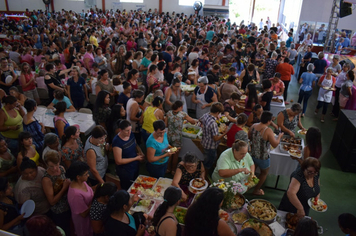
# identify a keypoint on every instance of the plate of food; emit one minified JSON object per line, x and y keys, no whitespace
{"x":317,"y":204}
{"x":262,"y":228}
{"x":224,"y":215}
{"x":293,"y":140}
{"x":295,"y":153}
{"x":252,"y":181}
{"x":239,"y":217}
{"x":198,"y":184}
{"x":302,"y":131}
{"x":172,"y":150}
{"x":262,"y":210}
{"x":243,"y":97}
{"x":291,"y":221}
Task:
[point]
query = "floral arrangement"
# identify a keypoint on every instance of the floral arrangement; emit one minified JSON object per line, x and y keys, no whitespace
{"x":232,"y":189}
{"x":222,"y":121}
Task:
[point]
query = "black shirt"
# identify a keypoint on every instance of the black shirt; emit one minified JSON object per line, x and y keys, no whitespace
{"x":212,"y":77}
{"x":267,"y":97}
{"x":169,"y":78}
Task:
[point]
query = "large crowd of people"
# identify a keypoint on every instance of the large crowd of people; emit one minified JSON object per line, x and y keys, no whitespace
{"x":128,"y":68}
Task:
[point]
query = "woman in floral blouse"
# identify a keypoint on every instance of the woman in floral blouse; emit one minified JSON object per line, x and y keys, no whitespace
{"x":72,"y":149}
{"x":174,"y":122}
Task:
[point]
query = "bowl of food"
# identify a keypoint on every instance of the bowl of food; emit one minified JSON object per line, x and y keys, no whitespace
{"x":262,"y":210}
{"x":237,"y":202}
{"x":262,"y":228}
{"x":179,"y":213}
{"x":239,"y":217}
{"x":198,"y":184}
{"x":252,"y":181}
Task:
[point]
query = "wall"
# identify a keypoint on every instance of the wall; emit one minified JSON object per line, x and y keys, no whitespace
{"x":320,"y":10}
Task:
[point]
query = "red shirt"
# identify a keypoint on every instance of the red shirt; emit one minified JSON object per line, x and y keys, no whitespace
{"x":286,"y":71}
{"x":231,"y":134}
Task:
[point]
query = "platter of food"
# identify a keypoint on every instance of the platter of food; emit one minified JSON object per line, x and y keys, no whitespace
{"x":160,"y":186}
{"x":243,"y":97}
{"x":252,"y":181}
{"x":295,"y":153}
{"x":142,"y":183}
{"x":239,"y":217}
{"x":302,"y":131}
{"x":291,"y":221}
{"x":277,"y":100}
{"x":198,"y":184}
{"x":286,"y":147}
{"x":224,"y":215}
{"x":329,"y":88}
{"x":262,"y":210}
{"x":191,"y":131}
{"x":262,"y":228}
{"x":317,"y":204}
{"x":188,"y":88}
{"x":293,"y":140}
{"x":144,"y":206}
{"x":179,"y":213}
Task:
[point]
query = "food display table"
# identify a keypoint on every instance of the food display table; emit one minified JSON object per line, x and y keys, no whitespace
{"x":277,"y":107}
{"x":85,"y":121}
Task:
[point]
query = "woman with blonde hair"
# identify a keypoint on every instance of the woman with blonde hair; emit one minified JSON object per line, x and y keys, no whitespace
{"x":28,"y":83}
{"x":118,"y":66}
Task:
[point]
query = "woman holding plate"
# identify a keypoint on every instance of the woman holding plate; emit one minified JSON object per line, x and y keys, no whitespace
{"x":304,"y":184}
{"x":235,"y":164}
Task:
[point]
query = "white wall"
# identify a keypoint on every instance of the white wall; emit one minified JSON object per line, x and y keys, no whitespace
{"x":2,"y":5}
{"x":320,"y":10}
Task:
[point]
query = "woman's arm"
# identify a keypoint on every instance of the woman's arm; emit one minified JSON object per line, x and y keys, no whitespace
{"x":68,"y":92}
{"x":91,"y":160}
{"x":300,"y":125}
{"x":292,"y":191}
{"x":123,"y":161}
{"x":168,"y":96}
{"x":159,"y":114}
{"x":97,"y":226}
{"x":97,"y":89}
{"x":280,"y":123}
{"x":227,"y":173}
{"x":194,"y":99}
{"x":151,"y":155}
{"x":48,"y":190}
{"x":224,"y":229}
{"x":134,"y":110}
{"x":190,"y":119}
{"x":10,"y":224}
{"x":71,"y":109}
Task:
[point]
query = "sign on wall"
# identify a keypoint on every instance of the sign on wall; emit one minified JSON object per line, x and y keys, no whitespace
{"x":141,"y":7}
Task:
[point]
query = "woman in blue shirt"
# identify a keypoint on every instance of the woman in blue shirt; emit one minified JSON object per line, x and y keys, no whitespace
{"x":307,"y":79}
{"x":77,"y":89}
{"x":157,"y":144}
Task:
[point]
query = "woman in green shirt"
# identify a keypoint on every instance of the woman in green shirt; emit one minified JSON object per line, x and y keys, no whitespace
{"x":235,"y":164}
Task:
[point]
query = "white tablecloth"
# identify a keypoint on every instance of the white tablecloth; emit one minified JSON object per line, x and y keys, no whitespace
{"x":276,"y":107}
{"x":281,"y":163}
{"x":189,"y":146}
{"x":85,"y":121}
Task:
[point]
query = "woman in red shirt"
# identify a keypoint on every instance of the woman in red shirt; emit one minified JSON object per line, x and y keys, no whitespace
{"x":28,"y":84}
{"x":236,"y":131}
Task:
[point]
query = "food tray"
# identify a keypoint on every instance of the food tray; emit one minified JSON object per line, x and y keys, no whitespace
{"x":239,"y":211}
{"x":285,"y":151}
{"x":288,"y":137}
{"x":140,"y":176}
{"x":189,"y":135}
{"x":259,"y":222}
{"x":265,"y":221}
{"x":164,"y":183}
{"x":144,"y":209}
{"x":179,"y":208}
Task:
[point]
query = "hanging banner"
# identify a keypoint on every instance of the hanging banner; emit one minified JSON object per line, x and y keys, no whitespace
{"x":89,"y":3}
{"x":116,"y":6}
{"x":141,"y":7}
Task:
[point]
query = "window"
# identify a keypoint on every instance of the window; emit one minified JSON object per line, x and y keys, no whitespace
{"x":132,"y":1}
{"x":188,"y":2}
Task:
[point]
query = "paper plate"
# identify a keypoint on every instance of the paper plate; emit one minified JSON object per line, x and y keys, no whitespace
{"x":8,"y":79}
{"x":28,"y":208}
{"x":301,"y":132}
{"x":294,"y":155}
{"x":310,"y":203}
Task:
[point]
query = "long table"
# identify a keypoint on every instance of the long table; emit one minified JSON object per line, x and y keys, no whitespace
{"x":277,"y":107}
{"x":85,"y":121}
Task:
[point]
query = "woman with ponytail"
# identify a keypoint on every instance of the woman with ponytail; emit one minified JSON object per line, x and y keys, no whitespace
{"x":72,"y":146}
{"x":164,"y":221}
{"x":102,"y":194}
{"x":118,"y":221}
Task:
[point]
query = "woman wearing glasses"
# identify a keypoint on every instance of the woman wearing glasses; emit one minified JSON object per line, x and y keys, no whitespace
{"x":305,"y":184}
{"x":189,"y":168}
{"x":96,"y":156}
